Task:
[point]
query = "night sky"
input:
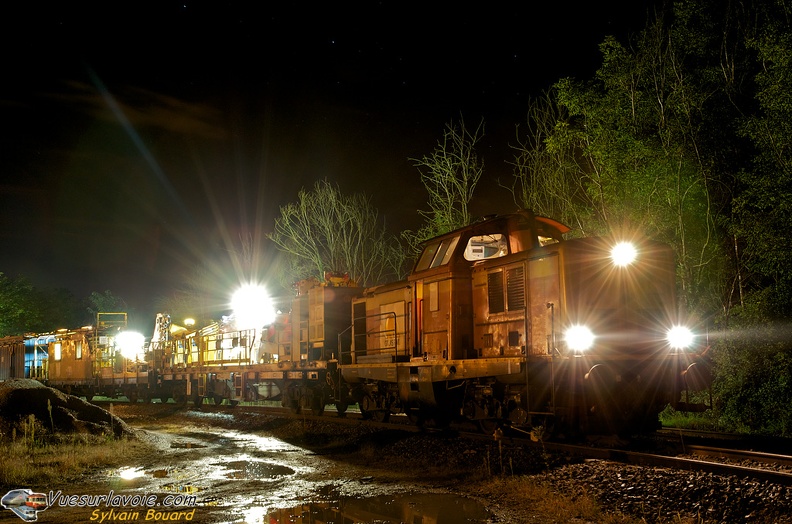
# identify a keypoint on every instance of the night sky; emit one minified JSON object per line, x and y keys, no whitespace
{"x":141,"y":139}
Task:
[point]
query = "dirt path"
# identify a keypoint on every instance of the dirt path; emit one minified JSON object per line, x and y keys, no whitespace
{"x":212,"y":467}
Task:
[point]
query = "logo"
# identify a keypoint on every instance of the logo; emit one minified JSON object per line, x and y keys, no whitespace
{"x":24,"y":503}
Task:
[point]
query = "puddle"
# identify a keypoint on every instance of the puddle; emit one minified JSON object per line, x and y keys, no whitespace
{"x":251,"y":478}
{"x":186,"y":445}
{"x":427,"y":508}
{"x":249,"y":470}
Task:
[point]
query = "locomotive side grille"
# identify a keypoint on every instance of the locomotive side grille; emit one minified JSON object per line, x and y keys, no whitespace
{"x":495,"y":292}
{"x":515,"y":288}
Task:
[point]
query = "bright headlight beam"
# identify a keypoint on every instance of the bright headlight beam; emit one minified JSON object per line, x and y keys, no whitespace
{"x":130,"y":344}
{"x":679,"y":337}
{"x":579,"y":338}
{"x":253,"y":308}
{"x":623,"y":254}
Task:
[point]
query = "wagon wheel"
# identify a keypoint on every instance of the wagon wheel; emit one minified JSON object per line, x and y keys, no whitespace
{"x":132,"y":396}
{"x":372,"y":411}
{"x":367,"y":407}
{"x":341,"y":407}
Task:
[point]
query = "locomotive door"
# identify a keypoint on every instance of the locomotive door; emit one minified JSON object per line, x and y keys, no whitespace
{"x":446,"y":318}
{"x":435,"y":317}
{"x":544,"y":310}
{"x":545,"y":304}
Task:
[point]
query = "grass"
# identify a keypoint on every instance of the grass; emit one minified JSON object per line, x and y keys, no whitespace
{"x":36,"y":458}
{"x":706,"y":421}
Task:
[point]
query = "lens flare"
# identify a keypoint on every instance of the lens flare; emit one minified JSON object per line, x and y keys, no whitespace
{"x":623,"y":254}
{"x":679,"y":337}
{"x":579,"y":338}
{"x":130,"y":344}
{"x":253,"y":308}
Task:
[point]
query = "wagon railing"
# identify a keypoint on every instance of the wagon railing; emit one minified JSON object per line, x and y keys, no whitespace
{"x":379,"y":341}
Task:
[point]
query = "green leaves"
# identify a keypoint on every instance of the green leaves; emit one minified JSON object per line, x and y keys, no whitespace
{"x":26,"y":309}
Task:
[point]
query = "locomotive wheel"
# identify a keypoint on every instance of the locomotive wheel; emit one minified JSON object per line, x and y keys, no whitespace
{"x":367,"y":407}
{"x":341,"y":407}
{"x":132,"y":396}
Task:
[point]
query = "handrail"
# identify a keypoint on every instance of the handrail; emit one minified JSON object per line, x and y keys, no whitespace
{"x":392,"y":348}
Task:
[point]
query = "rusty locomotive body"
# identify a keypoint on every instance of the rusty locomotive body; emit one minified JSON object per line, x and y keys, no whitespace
{"x":503,"y":322}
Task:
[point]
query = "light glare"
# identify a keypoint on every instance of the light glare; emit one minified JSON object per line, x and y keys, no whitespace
{"x":579,"y":338}
{"x":130,"y":343}
{"x":253,"y":308}
{"x":679,"y":337}
{"x":623,"y":254}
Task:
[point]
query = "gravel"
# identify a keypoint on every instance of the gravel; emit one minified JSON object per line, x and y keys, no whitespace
{"x":651,"y":495}
{"x":661,"y":495}
{"x":461,"y":465}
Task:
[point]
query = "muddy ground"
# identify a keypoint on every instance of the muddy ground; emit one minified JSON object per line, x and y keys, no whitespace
{"x":211,"y":467}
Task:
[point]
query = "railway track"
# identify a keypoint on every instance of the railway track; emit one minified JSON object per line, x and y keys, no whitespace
{"x":717,"y":460}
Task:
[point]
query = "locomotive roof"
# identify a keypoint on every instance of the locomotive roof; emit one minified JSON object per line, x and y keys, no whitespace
{"x":500,"y":220}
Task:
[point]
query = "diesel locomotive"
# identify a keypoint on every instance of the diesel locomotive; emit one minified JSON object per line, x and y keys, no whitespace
{"x":501,"y":323}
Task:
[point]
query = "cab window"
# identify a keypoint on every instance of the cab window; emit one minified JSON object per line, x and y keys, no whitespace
{"x":482,"y":247}
{"x":437,"y":253}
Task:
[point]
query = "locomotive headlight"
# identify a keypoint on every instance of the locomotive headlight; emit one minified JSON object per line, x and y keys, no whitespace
{"x":623,"y":254}
{"x":579,"y":338}
{"x":679,"y":337}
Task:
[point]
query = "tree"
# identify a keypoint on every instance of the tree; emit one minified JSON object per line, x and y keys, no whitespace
{"x":629,"y":153}
{"x":449,"y":174}
{"x":327,"y":231}
{"x":546,"y":178}
{"x":17,"y":310}
{"x":763,"y":209}
{"x":106,"y":302}
{"x":26,"y":309}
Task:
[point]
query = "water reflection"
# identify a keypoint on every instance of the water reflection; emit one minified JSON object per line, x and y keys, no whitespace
{"x":250,"y":469}
{"x":415,"y":509}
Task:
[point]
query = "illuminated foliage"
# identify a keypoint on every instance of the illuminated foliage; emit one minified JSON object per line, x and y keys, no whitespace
{"x":685,"y":135}
{"x":327,"y":231}
{"x":623,"y":154}
{"x":449,"y":174}
{"x":764,"y":206}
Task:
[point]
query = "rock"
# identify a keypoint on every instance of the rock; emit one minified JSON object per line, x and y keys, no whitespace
{"x":20,"y":398}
